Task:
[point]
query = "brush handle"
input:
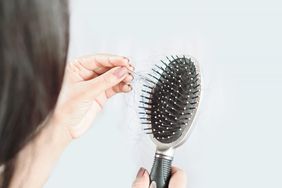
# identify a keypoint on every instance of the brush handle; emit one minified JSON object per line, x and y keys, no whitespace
{"x":161,"y":172}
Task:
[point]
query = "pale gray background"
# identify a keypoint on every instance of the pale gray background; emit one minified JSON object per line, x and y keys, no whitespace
{"x":237,"y":139}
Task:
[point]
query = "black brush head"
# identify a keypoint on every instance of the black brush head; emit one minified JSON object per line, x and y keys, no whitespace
{"x":170,"y":98}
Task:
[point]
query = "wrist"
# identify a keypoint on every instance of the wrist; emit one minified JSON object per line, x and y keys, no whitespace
{"x":58,"y":130}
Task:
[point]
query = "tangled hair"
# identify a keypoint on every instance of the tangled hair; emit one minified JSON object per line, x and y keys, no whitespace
{"x":34,"y":36}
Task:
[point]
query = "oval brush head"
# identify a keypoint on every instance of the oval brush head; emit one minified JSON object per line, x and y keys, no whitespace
{"x":170,"y":99}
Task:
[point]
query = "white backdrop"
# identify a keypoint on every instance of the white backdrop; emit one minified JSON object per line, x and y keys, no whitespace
{"x":237,"y":139}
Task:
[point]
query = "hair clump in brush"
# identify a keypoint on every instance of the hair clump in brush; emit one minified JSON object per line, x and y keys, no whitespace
{"x":170,"y":98}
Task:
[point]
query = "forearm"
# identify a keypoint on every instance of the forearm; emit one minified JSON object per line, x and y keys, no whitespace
{"x":37,"y":159}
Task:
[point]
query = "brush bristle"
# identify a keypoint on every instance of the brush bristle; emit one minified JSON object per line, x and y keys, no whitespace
{"x":170,"y":101}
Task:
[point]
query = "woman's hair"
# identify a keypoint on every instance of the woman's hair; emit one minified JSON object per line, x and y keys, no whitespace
{"x":34,"y":37}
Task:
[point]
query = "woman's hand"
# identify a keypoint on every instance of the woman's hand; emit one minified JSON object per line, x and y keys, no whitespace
{"x":177,"y":180}
{"x":89,"y":82}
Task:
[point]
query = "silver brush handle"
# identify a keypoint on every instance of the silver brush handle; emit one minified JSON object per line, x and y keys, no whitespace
{"x":161,"y":170}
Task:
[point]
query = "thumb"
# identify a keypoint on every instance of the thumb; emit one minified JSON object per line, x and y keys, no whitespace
{"x":178,"y":178}
{"x":142,"y":179}
{"x":105,"y":81}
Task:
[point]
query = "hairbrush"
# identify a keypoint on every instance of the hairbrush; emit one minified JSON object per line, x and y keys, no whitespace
{"x":169,"y":102}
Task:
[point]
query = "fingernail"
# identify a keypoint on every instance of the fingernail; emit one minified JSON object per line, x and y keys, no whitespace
{"x":126,"y":59}
{"x":131,"y":77}
{"x":127,"y":88}
{"x":141,"y":172}
{"x":120,"y":72}
{"x":132,"y":68}
{"x":130,"y":87}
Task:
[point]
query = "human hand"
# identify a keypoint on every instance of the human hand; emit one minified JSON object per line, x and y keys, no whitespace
{"x":177,"y":180}
{"x":88,"y":83}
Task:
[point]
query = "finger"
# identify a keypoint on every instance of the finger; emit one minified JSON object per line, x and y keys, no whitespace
{"x":95,"y":62}
{"x":102,"y":70}
{"x":119,"y":88}
{"x":178,"y":178}
{"x":128,"y":78}
{"x":105,"y":81}
{"x":142,"y":179}
{"x":78,"y":73}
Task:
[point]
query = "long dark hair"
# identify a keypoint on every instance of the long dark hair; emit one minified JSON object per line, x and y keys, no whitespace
{"x":33,"y":49}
